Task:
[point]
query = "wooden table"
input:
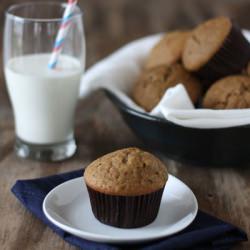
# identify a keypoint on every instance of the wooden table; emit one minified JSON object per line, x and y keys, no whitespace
{"x":109,"y":24}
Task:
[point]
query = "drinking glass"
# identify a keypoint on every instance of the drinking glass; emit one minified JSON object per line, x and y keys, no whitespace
{"x":43,"y":99}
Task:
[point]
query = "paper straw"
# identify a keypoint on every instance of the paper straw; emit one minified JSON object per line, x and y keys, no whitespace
{"x":62,"y":33}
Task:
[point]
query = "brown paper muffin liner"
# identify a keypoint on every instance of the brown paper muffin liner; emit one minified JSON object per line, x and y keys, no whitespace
{"x":125,"y":211}
{"x":231,"y":58}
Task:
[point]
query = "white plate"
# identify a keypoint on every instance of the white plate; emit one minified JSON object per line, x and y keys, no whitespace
{"x":68,"y":207}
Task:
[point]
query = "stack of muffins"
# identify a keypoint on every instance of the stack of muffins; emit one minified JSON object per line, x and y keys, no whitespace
{"x":210,"y":61}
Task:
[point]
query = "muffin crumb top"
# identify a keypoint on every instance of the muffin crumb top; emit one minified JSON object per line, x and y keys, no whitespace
{"x":231,"y":92}
{"x":153,"y":83}
{"x":204,"y":41}
{"x":168,"y":50}
{"x":129,"y":172}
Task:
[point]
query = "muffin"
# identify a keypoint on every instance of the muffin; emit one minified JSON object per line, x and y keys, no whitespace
{"x":216,"y":48}
{"x":168,"y":50}
{"x":152,"y":84}
{"x":232,"y":92}
{"x":125,"y":187}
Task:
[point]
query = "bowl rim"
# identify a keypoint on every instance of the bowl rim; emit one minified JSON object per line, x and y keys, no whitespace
{"x":142,"y":115}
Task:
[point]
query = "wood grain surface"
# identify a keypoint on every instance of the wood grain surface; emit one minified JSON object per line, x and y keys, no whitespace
{"x":100,"y":129}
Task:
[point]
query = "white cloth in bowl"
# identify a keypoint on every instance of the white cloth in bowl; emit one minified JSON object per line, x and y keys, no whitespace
{"x":119,"y":71}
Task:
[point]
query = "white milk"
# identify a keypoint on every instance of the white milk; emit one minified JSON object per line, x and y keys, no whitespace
{"x":43,"y":100}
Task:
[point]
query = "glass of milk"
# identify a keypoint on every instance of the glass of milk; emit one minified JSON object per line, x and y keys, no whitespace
{"x":43,"y":100}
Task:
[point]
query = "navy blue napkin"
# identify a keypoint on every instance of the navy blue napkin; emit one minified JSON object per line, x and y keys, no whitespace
{"x":206,"y":232}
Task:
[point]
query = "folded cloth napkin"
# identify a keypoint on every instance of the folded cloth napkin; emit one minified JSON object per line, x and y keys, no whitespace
{"x":118,"y":72}
{"x":206,"y":232}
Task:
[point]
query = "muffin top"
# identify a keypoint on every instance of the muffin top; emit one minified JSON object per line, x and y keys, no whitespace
{"x":152,"y":84}
{"x":126,"y":172}
{"x":168,"y":50}
{"x":232,"y":92}
{"x":204,"y":41}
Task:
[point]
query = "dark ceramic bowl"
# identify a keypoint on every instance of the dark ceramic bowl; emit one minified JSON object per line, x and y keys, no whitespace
{"x":203,"y":147}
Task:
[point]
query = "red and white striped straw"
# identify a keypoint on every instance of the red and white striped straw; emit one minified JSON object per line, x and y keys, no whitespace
{"x":62,"y":33}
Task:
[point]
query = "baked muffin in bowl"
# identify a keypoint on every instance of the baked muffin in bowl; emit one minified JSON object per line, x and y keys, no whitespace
{"x":168,"y":50}
{"x":125,"y":187}
{"x":153,"y":83}
{"x":216,"y":48}
{"x":231,"y":92}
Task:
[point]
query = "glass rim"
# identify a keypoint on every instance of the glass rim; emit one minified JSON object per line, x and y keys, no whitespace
{"x":13,"y":7}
